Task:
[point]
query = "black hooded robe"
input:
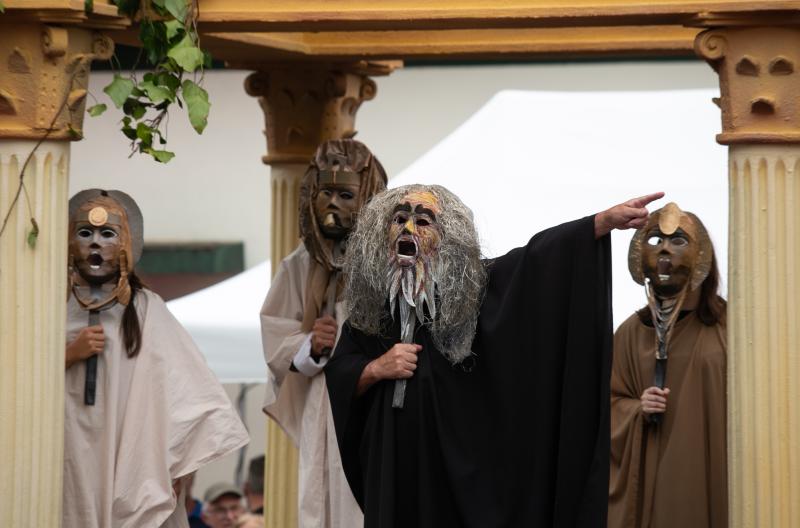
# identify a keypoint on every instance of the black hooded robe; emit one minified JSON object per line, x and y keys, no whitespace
{"x":517,"y":435}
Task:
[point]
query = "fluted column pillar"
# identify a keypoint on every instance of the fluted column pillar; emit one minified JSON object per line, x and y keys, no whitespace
{"x":758,"y":67}
{"x":303,"y":106}
{"x":43,"y":78}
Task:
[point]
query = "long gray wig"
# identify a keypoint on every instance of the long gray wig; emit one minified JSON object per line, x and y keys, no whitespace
{"x":460,"y":273}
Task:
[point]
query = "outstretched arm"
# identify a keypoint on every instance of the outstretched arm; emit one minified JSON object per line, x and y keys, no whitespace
{"x":627,"y":215}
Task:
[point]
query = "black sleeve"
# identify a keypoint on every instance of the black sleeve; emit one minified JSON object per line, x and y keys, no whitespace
{"x":349,"y":410}
{"x":545,"y":337}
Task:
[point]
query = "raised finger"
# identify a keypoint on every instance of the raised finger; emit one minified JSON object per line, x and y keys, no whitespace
{"x":642,"y":201}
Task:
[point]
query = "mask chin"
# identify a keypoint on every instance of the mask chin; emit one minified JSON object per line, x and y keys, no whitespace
{"x":672,"y":286}
{"x":332,"y":226}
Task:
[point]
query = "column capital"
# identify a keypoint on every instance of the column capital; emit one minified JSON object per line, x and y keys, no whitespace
{"x":44,"y":79}
{"x":759,"y":75}
{"x":306,"y":104}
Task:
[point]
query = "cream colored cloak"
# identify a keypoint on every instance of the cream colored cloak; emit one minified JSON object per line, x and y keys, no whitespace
{"x":674,"y":474}
{"x":158,"y":416}
{"x":299,"y":404}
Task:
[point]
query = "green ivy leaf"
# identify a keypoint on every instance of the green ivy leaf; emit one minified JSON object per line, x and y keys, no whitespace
{"x":153,"y":36}
{"x":186,"y":54}
{"x":155,"y":93}
{"x":144,"y":133}
{"x":119,"y":90}
{"x":162,"y":156}
{"x":34,"y":234}
{"x":88,"y":6}
{"x":134,"y":108}
{"x":73,"y":134}
{"x":174,"y":28}
{"x":97,"y":109}
{"x":178,"y":9}
{"x":129,"y":131}
{"x":2,"y":7}
{"x":197,"y":105}
{"x":169,"y":80}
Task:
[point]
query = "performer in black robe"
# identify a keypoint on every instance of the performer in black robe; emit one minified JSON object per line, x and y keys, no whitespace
{"x":505,"y":415}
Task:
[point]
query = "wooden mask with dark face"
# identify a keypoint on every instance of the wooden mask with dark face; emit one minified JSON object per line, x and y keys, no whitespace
{"x":99,"y":239}
{"x":673,"y":252}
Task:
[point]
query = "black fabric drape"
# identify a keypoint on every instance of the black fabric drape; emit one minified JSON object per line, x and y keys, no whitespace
{"x":518,"y":435}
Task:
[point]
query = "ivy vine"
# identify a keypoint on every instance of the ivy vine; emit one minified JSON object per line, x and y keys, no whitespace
{"x":171,"y":48}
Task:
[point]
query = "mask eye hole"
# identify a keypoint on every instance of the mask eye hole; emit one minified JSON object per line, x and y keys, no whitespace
{"x":401,"y":219}
{"x":422,"y":222}
{"x":108,"y":233}
{"x":84,"y":232}
{"x":653,"y":240}
{"x":680,"y":241}
{"x":346,"y":195}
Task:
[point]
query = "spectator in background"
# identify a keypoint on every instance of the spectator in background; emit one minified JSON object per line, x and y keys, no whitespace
{"x":254,"y":486}
{"x":223,"y":506}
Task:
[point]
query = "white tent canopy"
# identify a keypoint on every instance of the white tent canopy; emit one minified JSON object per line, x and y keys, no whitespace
{"x":223,"y":320}
{"x":524,"y":162}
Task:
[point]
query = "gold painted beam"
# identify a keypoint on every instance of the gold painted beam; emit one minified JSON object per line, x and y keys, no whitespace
{"x":368,"y":15}
{"x":248,"y":48}
{"x":104,"y":13}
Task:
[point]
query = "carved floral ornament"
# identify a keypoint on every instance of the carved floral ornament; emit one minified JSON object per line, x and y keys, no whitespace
{"x":304,"y":107}
{"x":44,"y":79}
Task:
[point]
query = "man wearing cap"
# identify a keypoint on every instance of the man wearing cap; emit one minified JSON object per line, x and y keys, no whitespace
{"x":142,"y":408}
{"x":223,"y":505}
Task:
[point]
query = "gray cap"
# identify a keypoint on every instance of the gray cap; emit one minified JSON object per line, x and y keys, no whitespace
{"x":216,"y":491}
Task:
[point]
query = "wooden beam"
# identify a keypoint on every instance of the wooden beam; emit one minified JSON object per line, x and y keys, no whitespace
{"x":368,"y":15}
{"x":104,"y":13}
{"x":489,"y":44}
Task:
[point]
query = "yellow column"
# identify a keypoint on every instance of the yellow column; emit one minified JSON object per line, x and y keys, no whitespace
{"x":43,"y":78}
{"x":760,"y":82}
{"x":303,"y":106}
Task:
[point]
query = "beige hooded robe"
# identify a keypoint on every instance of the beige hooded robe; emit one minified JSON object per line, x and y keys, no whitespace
{"x":158,"y":416}
{"x":299,"y":403}
{"x":673,"y":474}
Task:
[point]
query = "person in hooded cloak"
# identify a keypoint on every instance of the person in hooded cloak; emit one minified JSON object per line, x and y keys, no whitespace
{"x":142,"y":408}
{"x":668,"y":396}
{"x":300,"y":323}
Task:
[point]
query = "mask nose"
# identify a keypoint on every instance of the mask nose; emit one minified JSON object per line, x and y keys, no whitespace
{"x":410,"y":227}
{"x":96,"y":238}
